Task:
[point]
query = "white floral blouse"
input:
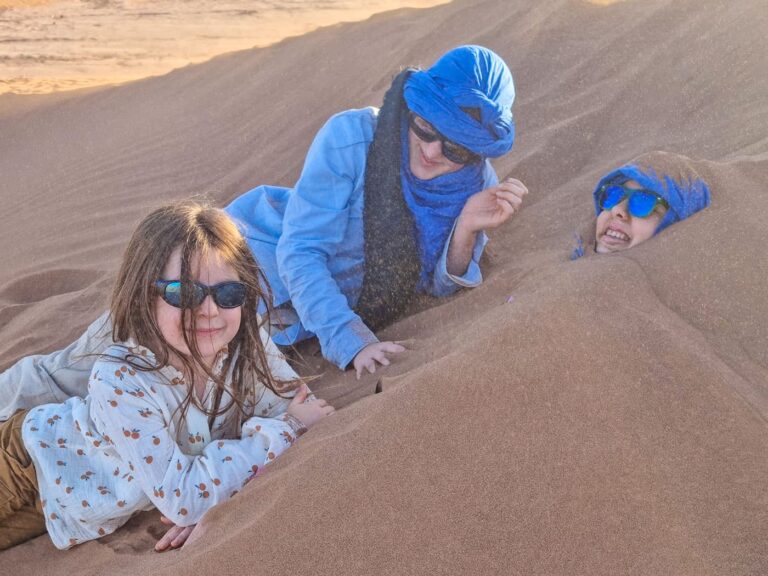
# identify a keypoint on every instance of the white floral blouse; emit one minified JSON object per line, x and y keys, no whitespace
{"x":125,"y":448}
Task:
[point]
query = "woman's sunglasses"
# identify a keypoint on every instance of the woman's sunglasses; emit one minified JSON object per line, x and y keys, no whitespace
{"x":641,"y":202}
{"x":426,"y":132}
{"x":225,"y":295}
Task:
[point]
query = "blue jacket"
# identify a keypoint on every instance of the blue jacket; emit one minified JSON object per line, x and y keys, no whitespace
{"x":309,"y":239}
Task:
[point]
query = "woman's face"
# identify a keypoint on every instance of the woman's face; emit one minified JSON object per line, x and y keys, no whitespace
{"x":215,"y":327}
{"x":426,"y":159}
{"x":616,"y":229}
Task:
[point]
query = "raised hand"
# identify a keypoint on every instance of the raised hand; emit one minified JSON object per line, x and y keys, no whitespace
{"x":492,"y":207}
{"x":308,"y":411}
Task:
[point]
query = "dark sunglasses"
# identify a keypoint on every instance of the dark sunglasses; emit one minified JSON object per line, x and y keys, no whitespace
{"x":641,"y":202}
{"x":225,"y":295}
{"x":426,"y":132}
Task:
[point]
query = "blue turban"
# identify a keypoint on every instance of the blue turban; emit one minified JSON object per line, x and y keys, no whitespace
{"x":671,"y":176}
{"x":467,"y":77}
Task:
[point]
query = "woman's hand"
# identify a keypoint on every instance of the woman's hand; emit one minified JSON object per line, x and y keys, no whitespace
{"x":307,"y":411}
{"x":367,"y":357}
{"x":175,"y":537}
{"x":492,"y":207}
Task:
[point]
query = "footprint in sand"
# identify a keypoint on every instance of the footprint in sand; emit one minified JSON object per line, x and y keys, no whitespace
{"x":139,"y":534}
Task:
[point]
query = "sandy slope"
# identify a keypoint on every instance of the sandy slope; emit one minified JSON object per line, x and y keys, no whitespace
{"x":610,"y":419}
{"x":54,"y":45}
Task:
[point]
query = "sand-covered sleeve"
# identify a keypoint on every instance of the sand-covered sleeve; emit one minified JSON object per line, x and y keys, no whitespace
{"x":445,"y":283}
{"x":314,"y":226}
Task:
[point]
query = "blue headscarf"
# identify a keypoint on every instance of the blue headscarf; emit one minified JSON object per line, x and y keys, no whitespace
{"x":467,"y":76}
{"x":671,"y":177}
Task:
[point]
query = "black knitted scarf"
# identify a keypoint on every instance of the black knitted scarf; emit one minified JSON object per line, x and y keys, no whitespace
{"x":392,"y":263}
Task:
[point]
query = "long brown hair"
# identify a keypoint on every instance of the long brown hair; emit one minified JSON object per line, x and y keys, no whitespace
{"x":197,"y":229}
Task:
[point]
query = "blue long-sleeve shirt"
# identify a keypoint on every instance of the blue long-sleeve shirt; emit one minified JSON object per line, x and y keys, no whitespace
{"x":309,"y":239}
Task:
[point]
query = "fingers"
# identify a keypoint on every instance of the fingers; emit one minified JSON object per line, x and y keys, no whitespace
{"x":323,"y":407}
{"x":508,"y":203}
{"x":163,"y":543}
{"x":181,"y":538}
{"x":373,"y":353}
{"x":328,"y":410}
{"x":166,"y":521}
{"x":301,"y":395}
{"x":367,"y":363}
{"x":175,"y":537}
{"x":166,"y":541}
{"x":391,"y":347}
{"x":513,"y":199}
{"x":509,"y":196}
{"x":515,"y":186}
{"x":513,"y":191}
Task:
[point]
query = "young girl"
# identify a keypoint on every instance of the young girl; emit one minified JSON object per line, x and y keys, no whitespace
{"x":179,"y":415}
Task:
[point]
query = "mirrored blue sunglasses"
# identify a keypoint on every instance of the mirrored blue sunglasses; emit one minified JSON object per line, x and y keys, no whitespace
{"x":641,"y":202}
{"x":225,"y":294}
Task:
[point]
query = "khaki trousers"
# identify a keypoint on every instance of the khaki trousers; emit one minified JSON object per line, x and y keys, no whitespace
{"x":21,"y":515}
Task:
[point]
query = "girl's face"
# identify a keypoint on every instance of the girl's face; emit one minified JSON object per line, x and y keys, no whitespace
{"x":426,"y":159}
{"x":215,"y":327}
{"x":616,"y":229}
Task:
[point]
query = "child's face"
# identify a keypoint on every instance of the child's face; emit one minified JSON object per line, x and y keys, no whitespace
{"x":618,"y":230}
{"x":426,"y":159}
{"x":215,"y":327}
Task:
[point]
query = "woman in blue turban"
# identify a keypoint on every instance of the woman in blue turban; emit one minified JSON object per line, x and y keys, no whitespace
{"x":390,"y":202}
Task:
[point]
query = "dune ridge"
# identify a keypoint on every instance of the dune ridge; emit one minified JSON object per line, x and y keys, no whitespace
{"x":54,"y":45}
{"x":602,"y":416}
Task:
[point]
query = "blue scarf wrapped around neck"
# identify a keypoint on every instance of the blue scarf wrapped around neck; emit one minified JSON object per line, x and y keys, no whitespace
{"x":466,"y":77}
{"x":435,"y":205}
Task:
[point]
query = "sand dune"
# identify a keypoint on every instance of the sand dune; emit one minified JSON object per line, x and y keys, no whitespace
{"x":609,"y":418}
{"x":54,"y":45}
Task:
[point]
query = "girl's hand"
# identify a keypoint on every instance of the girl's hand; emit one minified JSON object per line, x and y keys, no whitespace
{"x":175,"y":537}
{"x":367,"y":357}
{"x":492,"y":207}
{"x":309,"y":412}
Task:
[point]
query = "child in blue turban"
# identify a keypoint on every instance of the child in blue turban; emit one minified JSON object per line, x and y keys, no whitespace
{"x":640,"y":199}
{"x":635,"y":202}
